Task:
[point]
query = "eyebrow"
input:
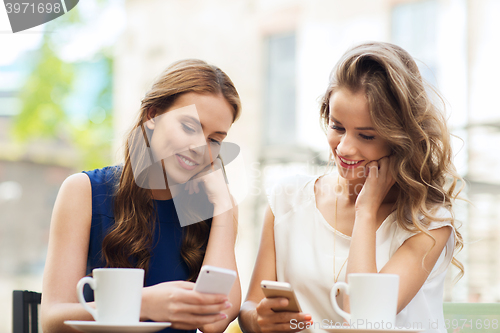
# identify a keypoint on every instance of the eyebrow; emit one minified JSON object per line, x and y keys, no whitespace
{"x":197,"y":122}
{"x":357,"y":128}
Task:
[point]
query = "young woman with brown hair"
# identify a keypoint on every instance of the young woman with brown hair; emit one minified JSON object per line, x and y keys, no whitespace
{"x":125,"y":216}
{"x":386,"y":209}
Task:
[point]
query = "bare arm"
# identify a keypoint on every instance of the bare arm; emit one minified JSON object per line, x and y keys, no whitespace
{"x":406,"y":262}
{"x":67,"y":255}
{"x":220,"y":253}
{"x":256,"y":314}
{"x":408,"y":259}
{"x":66,"y":264}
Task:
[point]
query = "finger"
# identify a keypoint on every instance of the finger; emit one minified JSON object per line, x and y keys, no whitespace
{"x":288,"y":326}
{"x":374,"y":171}
{"x":196,"y":298}
{"x":384,"y":162}
{"x":371,"y":168}
{"x":281,"y":321}
{"x":205,"y":309}
{"x":386,"y":170}
{"x":286,"y":317}
{"x":387,"y":156}
{"x":196,"y":187}
{"x":192,"y":184}
{"x":208,"y":319}
{"x":187,"y":321}
{"x":184,"y":284}
{"x":267,"y":304}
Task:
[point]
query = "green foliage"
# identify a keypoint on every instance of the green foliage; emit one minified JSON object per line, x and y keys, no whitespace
{"x":94,"y":136}
{"x":50,"y":93}
{"x":42,"y":113}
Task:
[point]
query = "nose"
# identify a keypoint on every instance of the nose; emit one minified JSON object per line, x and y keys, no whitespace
{"x":197,"y":150}
{"x":347,"y":146}
{"x":198,"y":144}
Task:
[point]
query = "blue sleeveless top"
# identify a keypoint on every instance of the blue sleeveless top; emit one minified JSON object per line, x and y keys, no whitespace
{"x":166,"y":263}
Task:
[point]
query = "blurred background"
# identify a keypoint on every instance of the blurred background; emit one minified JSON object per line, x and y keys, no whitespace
{"x":70,"y":89}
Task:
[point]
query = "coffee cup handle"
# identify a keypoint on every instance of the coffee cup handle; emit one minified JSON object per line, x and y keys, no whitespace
{"x":79,"y":291}
{"x":333,"y":297}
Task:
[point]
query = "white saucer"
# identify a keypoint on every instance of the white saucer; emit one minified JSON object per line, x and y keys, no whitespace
{"x":365,"y":330}
{"x":95,"y":327}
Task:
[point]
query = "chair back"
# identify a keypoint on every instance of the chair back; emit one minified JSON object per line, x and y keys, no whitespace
{"x":25,"y":311}
{"x":472,"y":317}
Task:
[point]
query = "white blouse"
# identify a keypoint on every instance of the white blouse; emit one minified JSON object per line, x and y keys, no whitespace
{"x":304,"y":257}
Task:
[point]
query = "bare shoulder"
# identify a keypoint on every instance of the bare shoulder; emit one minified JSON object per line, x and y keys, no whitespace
{"x":325,"y":186}
{"x":74,"y":198}
{"x":68,"y":241}
{"x":422,"y":242}
{"x":76,"y":182}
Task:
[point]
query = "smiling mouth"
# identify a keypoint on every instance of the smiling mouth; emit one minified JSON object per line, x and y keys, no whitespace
{"x":186,"y":162}
{"x":349,"y":163}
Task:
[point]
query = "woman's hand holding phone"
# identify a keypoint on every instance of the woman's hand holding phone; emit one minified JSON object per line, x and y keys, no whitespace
{"x":179,"y":304}
{"x":271,"y":321}
{"x":276,"y":313}
{"x":188,"y":305}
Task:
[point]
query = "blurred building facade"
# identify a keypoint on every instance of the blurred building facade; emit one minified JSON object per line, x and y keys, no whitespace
{"x":30,"y":176}
{"x":31,"y":173}
{"x":279,"y":53}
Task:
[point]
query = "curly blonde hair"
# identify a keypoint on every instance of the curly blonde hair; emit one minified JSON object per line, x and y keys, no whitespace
{"x":404,"y":115}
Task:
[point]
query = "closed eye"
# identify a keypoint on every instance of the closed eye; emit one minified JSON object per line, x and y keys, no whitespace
{"x":337,"y":128}
{"x":188,"y":129}
{"x":216,"y":142}
{"x":342,"y":129}
{"x":367,"y":137}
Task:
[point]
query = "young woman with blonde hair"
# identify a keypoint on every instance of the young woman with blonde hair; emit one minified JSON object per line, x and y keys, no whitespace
{"x":124,"y":216}
{"x":387,"y":208}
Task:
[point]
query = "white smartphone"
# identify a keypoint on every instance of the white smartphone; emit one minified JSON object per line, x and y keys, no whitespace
{"x":215,"y":280}
{"x":274,"y":289}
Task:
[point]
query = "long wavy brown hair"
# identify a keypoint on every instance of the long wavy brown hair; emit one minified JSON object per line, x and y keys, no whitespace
{"x":129,"y":242}
{"x":414,"y":126}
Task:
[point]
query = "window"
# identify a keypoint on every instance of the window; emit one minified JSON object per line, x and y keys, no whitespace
{"x":414,"y":27}
{"x":280,"y":90}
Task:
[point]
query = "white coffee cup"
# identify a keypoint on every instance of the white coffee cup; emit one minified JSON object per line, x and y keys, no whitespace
{"x":373,"y":299}
{"x":117,"y":294}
